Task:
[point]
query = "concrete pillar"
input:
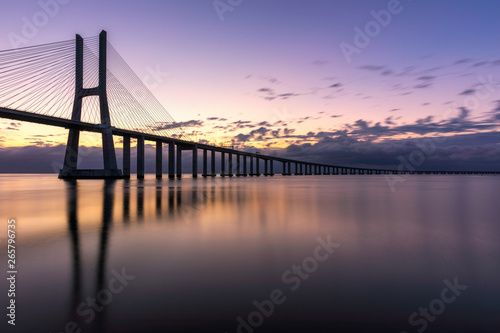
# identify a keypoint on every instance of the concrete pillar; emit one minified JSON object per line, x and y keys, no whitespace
{"x":272,"y":167}
{"x":171,"y":160}
{"x":179,"y":161}
{"x":230,"y":164}
{"x":244,"y":165}
{"x":266,"y":170}
{"x":205,"y":166}
{"x":108,"y":147}
{"x":212,"y":163}
{"x":251,"y":166}
{"x":126,"y":157}
{"x":159,"y":159}
{"x":257,"y":166}
{"x":284,"y":169}
{"x":238,"y":165}
{"x":195,"y":161}
{"x":222,"y":164}
{"x":140,"y":157}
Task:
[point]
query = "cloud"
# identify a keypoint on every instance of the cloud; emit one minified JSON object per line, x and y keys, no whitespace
{"x":389,"y":121}
{"x":467,"y":92}
{"x":462,"y":61}
{"x":216,"y":118}
{"x":287,"y":95}
{"x":372,"y":67}
{"x":478,"y":151}
{"x":271,"y":95}
{"x":181,"y":124}
{"x":336,"y":85}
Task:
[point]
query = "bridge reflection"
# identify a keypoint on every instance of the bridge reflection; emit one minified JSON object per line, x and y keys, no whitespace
{"x":124,"y":202}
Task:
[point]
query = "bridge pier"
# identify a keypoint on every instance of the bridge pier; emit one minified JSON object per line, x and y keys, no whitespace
{"x":140,"y":157}
{"x":238,"y":165}
{"x":195,"y":161}
{"x":179,"y":161}
{"x":244,"y":165}
{"x":171,"y":160}
{"x":205,"y":166}
{"x":257,"y":167}
{"x":212,"y":163}
{"x":230,"y":164}
{"x":272,"y":167}
{"x":126,"y":157}
{"x":222,"y":164}
{"x":251,"y":166}
{"x":159,"y":159}
{"x":266,"y":170}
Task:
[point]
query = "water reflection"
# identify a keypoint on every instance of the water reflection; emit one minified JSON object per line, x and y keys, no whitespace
{"x":178,"y":204}
{"x":243,"y":236}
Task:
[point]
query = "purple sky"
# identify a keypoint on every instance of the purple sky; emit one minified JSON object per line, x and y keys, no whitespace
{"x":361,"y":83}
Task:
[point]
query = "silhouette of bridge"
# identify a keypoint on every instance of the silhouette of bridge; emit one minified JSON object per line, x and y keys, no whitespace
{"x":71,"y":84}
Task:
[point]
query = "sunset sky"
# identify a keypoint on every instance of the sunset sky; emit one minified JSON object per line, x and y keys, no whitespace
{"x":347,"y":82}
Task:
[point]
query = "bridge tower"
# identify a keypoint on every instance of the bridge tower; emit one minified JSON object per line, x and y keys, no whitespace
{"x":70,"y":169}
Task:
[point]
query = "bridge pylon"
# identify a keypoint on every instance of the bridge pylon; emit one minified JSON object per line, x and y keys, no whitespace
{"x":70,"y":169}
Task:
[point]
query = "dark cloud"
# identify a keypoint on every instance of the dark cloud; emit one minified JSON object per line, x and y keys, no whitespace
{"x":181,"y":124}
{"x":423,"y":85}
{"x":462,"y":152}
{"x":336,"y":115}
{"x":462,"y":61}
{"x":287,"y":95}
{"x":480,"y":63}
{"x":266,"y":90}
{"x":389,"y":121}
{"x":336,"y":85}
{"x":372,"y":67}
{"x":272,"y":95}
{"x":242,"y":137}
{"x":467,"y":92}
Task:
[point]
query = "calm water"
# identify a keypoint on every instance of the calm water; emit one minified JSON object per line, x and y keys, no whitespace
{"x":197,"y":254}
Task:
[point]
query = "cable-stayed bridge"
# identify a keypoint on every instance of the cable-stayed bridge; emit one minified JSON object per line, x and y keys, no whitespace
{"x":85,"y":85}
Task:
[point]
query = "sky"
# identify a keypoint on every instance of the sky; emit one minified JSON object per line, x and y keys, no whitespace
{"x":388,"y":83}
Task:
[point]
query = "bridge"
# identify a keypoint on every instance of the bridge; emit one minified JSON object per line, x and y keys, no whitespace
{"x":71,"y":84}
